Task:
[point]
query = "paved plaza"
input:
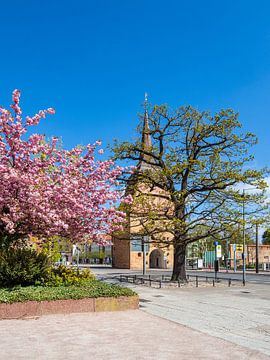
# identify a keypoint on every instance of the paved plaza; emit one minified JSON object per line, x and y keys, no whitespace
{"x":114,"y":336}
{"x":186,"y":323}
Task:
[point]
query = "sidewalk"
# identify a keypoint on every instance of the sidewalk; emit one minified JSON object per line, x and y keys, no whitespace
{"x":129,"y":335}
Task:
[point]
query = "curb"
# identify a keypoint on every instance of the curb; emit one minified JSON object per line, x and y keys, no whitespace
{"x":21,"y":310}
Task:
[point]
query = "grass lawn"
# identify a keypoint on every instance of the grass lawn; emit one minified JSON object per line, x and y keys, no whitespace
{"x":92,"y":289}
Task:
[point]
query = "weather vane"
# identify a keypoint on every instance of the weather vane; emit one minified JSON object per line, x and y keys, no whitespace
{"x":145,"y":97}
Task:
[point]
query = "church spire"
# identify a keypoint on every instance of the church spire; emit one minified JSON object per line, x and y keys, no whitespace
{"x":146,"y":138}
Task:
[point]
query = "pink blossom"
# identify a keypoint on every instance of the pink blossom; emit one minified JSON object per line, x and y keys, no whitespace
{"x":16,"y":95}
{"x":128,"y":200}
{"x":46,"y":190}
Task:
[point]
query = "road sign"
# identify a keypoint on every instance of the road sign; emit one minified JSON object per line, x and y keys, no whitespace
{"x":219,"y":251}
{"x":239,"y":247}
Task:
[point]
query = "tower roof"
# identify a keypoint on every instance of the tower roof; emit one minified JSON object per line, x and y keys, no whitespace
{"x":146,"y":138}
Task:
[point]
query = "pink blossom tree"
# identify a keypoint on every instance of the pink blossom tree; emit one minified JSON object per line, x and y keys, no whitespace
{"x":46,"y":190}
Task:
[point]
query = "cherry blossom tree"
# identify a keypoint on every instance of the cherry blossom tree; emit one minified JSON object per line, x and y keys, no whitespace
{"x":46,"y":190}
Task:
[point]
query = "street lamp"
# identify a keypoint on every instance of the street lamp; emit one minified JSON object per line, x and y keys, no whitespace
{"x":244,"y":239}
{"x":257,"y":248}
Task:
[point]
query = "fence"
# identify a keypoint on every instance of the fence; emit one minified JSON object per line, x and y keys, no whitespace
{"x":165,"y":281}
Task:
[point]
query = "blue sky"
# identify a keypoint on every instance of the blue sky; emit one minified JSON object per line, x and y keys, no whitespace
{"x":93,"y":61}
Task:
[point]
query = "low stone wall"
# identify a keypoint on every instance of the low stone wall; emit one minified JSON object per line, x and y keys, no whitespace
{"x":38,"y":308}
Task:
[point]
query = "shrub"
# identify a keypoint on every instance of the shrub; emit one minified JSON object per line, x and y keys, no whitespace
{"x":22,"y":266}
{"x":63,"y":275}
{"x":93,"y":289}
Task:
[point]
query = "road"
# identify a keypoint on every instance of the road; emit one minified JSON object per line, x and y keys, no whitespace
{"x":253,"y":278}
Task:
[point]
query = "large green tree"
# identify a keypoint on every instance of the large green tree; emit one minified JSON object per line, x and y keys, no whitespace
{"x":192,"y":164}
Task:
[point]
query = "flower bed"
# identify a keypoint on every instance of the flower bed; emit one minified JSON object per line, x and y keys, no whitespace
{"x":38,"y":300}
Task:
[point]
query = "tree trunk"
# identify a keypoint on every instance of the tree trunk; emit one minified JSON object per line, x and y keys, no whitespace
{"x":179,"y":263}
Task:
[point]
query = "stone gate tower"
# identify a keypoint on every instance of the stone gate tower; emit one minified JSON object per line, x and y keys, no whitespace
{"x":133,"y":249}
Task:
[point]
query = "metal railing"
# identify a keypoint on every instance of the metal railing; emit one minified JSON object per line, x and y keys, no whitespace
{"x":164,"y":280}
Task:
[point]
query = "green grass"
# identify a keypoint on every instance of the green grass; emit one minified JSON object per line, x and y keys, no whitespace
{"x":92,"y":289}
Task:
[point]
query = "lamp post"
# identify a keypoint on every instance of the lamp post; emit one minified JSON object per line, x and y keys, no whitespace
{"x":244,"y":241}
{"x":145,"y":239}
{"x":244,"y":238}
{"x":143,"y":251}
{"x":257,"y":248}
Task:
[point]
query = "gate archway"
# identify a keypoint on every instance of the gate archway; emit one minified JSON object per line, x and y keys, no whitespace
{"x":157,"y":259}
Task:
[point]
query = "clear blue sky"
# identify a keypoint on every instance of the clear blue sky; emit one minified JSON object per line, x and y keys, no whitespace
{"x":93,"y":61}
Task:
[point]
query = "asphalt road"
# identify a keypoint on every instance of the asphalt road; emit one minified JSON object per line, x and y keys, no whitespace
{"x":253,"y":278}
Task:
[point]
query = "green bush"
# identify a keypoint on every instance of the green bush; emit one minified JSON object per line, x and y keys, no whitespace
{"x":22,"y":266}
{"x":64,"y":276}
{"x":93,"y":289}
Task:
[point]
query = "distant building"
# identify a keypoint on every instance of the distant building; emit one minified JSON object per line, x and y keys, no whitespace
{"x":264,"y":255}
{"x":250,"y":250}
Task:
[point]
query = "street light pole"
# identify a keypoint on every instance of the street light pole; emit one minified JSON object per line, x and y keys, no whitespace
{"x":244,"y":241}
{"x":144,"y":238}
{"x":257,"y":248}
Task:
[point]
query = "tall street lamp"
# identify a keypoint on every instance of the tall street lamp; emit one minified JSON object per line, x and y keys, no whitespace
{"x":257,"y":248}
{"x":244,"y":239}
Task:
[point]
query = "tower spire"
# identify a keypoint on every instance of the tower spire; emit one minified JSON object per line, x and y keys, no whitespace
{"x":145,"y":100}
{"x":146,"y":138}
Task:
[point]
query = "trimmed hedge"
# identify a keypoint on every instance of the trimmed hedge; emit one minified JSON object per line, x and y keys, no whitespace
{"x":93,"y":289}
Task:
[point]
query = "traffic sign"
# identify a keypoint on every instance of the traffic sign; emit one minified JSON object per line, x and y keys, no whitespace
{"x":239,"y":247}
{"x":219,"y":251}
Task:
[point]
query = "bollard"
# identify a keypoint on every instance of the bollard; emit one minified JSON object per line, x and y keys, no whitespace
{"x":178,"y":283}
{"x":150,"y":282}
{"x":229,"y":282}
{"x":160,"y":284}
{"x":213,"y":282}
{"x":196,"y":281}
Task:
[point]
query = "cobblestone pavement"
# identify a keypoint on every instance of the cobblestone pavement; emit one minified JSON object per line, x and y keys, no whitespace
{"x":127,"y":335}
{"x":172,"y":323}
{"x":237,"y":314}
